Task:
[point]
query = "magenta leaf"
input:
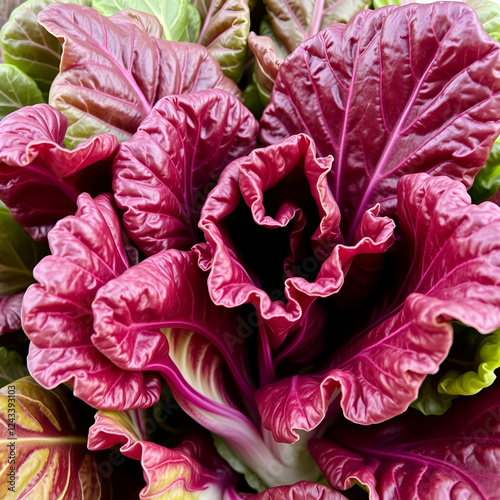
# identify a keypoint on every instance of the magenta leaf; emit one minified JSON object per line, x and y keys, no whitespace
{"x":10,"y":312}
{"x":191,"y":467}
{"x":112,"y":72}
{"x":397,"y":90}
{"x":87,"y":252}
{"x":455,"y":455}
{"x":164,"y":173}
{"x":453,"y":252}
{"x":281,"y":196}
{"x":40,"y":180}
{"x":158,"y":316}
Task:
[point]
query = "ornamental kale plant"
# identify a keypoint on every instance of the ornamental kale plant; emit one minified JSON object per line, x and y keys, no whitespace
{"x":259,"y":274}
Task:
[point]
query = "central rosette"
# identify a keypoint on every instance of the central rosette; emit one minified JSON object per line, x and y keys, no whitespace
{"x":274,"y":229}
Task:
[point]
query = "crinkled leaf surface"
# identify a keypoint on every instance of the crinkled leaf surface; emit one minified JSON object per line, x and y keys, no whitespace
{"x":175,"y":16}
{"x":452,"y":250}
{"x":112,"y":72}
{"x":224,"y":31}
{"x":267,"y":64}
{"x":49,"y":442}
{"x":281,"y":196}
{"x":87,"y":252}
{"x":28,"y":46}
{"x":294,"y":21}
{"x":191,"y":471}
{"x":471,"y":382}
{"x":18,"y":255}
{"x":12,"y":366}
{"x":39,"y":178}
{"x":456,"y":455}
{"x":443,"y":118}
{"x":157,"y":317}
{"x":161,"y":176}
{"x":16,"y":90}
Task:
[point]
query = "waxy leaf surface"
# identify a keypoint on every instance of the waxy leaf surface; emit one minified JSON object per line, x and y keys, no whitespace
{"x":224,"y":31}
{"x":191,"y":471}
{"x":40,"y":180}
{"x":396,"y":91}
{"x":161,"y":176}
{"x":48,"y":441}
{"x":294,"y":21}
{"x":452,"y":249}
{"x":112,"y":72}
{"x":417,"y":456}
{"x":87,"y":252}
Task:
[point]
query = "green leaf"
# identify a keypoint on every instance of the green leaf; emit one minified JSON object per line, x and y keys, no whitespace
{"x":16,"y":90}
{"x":43,"y":449}
{"x":225,"y":29}
{"x":228,"y":455}
{"x":18,"y":255}
{"x":472,"y":381}
{"x":12,"y":366}
{"x":179,"y":19}
{"x":489,"y":14}
{"x":28,"y":46}
{"x":430,"y":401}
{"x":383,"y":3}
{"x":294,"y":21}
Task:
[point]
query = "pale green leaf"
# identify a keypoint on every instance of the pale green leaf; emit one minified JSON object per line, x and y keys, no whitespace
{"x":179,"y":19}
{"x":18,"y":255}
{"x":16,"y":90}
{"x":224,"y":31}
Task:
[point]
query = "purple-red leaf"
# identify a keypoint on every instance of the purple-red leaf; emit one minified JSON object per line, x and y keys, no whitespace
{"x":164,"y":173}
{"x":112,"y":72}
{"x":456,"y":455}
{"x":291,"y":250}
{"x":452,"y":274}
{"x":10,"y":312}
{"x":193,"y":466}
{"x":87,"y":252}
{"x":40,"y":180}
{"x":396,"y":91}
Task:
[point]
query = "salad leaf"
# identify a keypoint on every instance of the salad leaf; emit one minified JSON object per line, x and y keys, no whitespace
{"x":452,"y":248}
{"x":40,"y":179}
{"x":191,"y":471}
{"x":267,"y":64}
{"x":472,"y":381}
{"x":12,"y":366}
{"x":28,"y":46}
{"x":10,"y":312}
{"x":178,"y":18}
{"x":163,"y":162}
{"x":419,"y":456}
{"x":265,"y":192}
{"x":339,"y":88}
{"x":16,"y":90}
{"x":44,"y":447}
{"x":18,"y":255}
{"x":224,"y":31}
{"x":112,"y":87}
{"x":294,"y":21}
{"x":87,"y":251}
{"x":193,"y":348}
